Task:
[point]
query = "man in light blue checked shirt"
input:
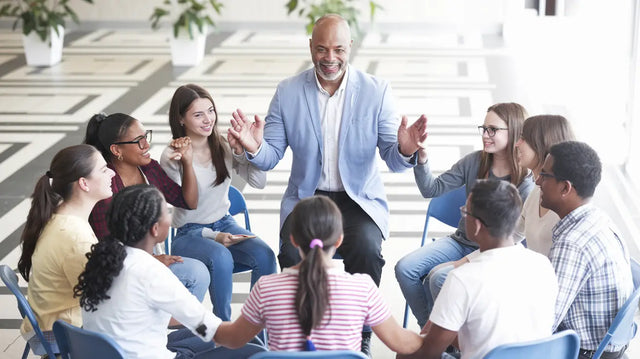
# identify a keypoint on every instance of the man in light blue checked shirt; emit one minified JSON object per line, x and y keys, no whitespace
{"x":590,"y":259}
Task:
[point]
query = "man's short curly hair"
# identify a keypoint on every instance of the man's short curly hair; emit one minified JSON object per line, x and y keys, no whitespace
{"x":579,"y":164}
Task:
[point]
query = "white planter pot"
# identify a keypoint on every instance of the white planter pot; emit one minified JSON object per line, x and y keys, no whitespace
{"x":186,"y":51}
{"x":43,"y":53}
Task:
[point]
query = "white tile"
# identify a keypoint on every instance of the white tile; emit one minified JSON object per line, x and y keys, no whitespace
{"x":37,"y":144}
{"x":98,"y":67}
{"x":97,"y":99}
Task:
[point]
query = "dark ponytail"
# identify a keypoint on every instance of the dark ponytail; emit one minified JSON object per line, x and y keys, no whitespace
{"x":314,"y":218}
{"x":67,"y":166}
{"x":103,"y":131}
{"x":132,"y":213}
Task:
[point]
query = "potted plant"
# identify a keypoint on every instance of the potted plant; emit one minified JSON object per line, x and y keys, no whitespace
{"x":189,"y":28}
{"x":314,"y":9}
{"x":43,"y":23}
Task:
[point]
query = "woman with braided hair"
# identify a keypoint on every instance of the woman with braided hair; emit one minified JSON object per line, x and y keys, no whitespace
{"x":316,"y":305}
{"x":57,"y":235}
{"x":128,"y":295}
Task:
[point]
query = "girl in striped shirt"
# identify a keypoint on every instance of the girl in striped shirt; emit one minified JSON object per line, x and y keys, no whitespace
{"x":315,"y":304}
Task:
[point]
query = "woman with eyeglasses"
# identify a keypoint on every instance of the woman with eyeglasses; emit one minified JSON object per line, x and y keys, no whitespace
{"x":500,"y":131}
{"x":125,"y":144}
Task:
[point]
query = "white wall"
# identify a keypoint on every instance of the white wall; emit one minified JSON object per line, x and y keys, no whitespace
{"x":274,"y":11}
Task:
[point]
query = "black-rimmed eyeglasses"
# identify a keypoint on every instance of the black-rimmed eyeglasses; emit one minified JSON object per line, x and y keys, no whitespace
{"x":491,"y":131}
{"x":141,"y":141}
{"x":464,"y":213}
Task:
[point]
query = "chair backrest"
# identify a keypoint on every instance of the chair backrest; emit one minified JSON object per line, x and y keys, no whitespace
{"x":10,"y":279}
{"x":238,"y":205}
{"x":562,"y":345}
{"x":446,"y":209}
{"x":623,"y":329}
{"x":334,"y":354}
{"x":76,"y":342}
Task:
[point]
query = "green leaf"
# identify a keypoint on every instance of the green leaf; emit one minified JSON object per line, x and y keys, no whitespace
{"x":74,"y":17}
{"x":4,"y":10}
{"x":216,"y":6}
{"x":176,"y":29}
{"x":291,"y":6}
{"x":209,"y":21}
{"x":157,"y":14}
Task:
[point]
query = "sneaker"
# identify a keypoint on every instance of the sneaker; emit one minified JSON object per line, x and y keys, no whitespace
{"x":365,"y":346}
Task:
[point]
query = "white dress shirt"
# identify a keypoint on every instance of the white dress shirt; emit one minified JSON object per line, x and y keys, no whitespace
{"x":330,"y":108}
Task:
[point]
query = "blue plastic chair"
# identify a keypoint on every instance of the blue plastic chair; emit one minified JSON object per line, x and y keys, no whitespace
{"x":562,"y":345}
{"x":623,"y":328}
{"x":239,"y":205}
{"x":76,"y":342}
{"x":446,"y":209}
{"x":249,"y":350}
{"x":332,"y":354}
{"x":10,"y":279}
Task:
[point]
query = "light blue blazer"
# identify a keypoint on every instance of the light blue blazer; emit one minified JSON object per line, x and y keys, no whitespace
{"x":369,"y":122}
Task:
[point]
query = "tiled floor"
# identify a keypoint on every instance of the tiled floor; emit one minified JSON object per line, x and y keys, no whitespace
{"x":446,"y":76}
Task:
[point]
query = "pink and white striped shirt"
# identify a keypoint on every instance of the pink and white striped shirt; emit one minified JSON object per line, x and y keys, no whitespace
{"x":354,"y":301}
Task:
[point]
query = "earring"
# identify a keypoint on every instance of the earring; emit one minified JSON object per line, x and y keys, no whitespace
{"x":120,"y":157}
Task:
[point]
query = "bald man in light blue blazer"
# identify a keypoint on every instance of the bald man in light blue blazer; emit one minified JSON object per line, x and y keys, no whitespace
{"x":334,"y":118}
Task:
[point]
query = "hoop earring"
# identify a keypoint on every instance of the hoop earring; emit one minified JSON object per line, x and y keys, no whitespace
{"x":120,"y":157}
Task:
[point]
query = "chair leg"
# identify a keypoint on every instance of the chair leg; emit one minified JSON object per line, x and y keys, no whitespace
{"x":26,"y":351}
{"x":406,"y":315}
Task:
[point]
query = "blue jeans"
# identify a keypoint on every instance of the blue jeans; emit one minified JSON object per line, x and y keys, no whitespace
{"x":414,"y":267}
{"x":435,"y":280}
{"x":193,"y":274}
{"x":186,"y":345}
{"x":251,"y":254}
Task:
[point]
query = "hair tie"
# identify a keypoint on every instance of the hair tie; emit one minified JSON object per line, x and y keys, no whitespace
{"x":100,"y":117}
{"x":49,"y":174}
{"x":316,"y":243}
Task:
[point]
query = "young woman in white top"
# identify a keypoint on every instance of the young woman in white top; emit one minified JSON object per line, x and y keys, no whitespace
{"x":128,"y":295}
{"x":315,"y":305}
{"x":539,"y":134}
{"x":209,"y":233}
{"x":57,"y":234}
